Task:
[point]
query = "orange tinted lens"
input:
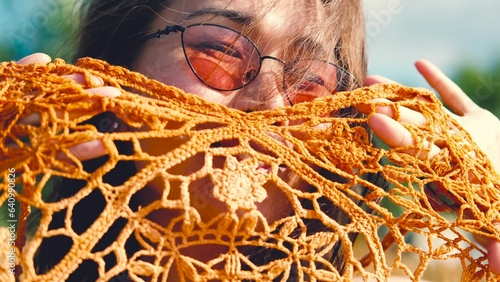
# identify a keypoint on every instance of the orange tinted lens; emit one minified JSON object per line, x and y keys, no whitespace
{"x":222,"y":58}
{"x":309,"y":79}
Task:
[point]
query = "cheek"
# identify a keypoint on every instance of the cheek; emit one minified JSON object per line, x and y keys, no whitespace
{"x":173,"y":69}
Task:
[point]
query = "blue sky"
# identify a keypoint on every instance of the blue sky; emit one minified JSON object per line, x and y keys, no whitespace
{"x":449,"y":33}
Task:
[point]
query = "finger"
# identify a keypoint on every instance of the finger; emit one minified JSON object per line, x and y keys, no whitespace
{"x":405,"y":114}
{"x":86,"y":151}
{"x":396,"y":135}
{"x":80,"y":78}
{"x":33,"y":119}
{"x":493,"y":248}
{"x":89,"y":150}
{"x":35,"y":58}
{"x":451,"y":94}
{"x":377,"y":79}
{"x":105,"y":91}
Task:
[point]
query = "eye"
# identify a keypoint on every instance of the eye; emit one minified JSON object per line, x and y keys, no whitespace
{"x":212,"y":48}
{"x":309,"y":81}
{"x":305,"y":81}
{"x":306,"y":86}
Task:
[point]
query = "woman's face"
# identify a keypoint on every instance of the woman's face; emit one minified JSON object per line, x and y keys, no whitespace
{"x":272,"y":24}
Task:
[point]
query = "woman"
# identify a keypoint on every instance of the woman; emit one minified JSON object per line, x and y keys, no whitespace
{"x":161,"y":39}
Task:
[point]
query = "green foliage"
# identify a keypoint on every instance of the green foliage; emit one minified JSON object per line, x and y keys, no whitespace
{"x":482,"y":85}
{"x":6,"y":53}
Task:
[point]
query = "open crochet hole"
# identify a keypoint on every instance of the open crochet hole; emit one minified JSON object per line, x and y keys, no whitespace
{"x":189,"y":164}
{"x":85,"y":268}
{"x":110,"y":236}
{"x":209,"y":126}
{"x":160,"y":146}
{"x":226,"y":143}
{"x":87,"y":211}
{"x":49,"y":244}
{"x":341,"y":148}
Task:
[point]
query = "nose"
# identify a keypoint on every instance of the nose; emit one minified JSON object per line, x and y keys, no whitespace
{"x":266,"y":90}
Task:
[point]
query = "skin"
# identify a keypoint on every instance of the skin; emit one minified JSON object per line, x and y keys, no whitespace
{"x":483,"y":126}
{"x":171,"y":68}
{"x":159,"y":56}
{"x":163,"y":59}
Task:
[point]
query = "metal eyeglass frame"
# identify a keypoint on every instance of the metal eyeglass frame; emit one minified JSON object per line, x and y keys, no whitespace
{"x":179,"y":28}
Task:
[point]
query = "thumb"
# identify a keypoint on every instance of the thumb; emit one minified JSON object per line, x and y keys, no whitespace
{"x":35,"y":58}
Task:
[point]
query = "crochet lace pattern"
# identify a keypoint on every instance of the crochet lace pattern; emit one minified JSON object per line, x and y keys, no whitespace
{"x":274,"y":195}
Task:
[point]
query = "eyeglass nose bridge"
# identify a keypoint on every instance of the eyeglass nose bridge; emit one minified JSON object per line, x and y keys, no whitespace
{"x":257,"y":72}
{"x":262,"y":58}
{"x":254,"y":73}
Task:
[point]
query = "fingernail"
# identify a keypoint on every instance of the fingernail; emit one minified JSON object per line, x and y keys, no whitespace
{"x":33,"y":119}
{"x":106,"y":91}
{"x":97,"y":81}
{"x":88,"y":150}
{"x":35,"y":58}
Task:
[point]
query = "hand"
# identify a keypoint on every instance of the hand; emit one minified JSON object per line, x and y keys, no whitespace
{"x":482,"y":125}
{"x":88,"y":150}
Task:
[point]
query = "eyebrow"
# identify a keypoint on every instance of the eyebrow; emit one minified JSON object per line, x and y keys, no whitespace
{"x":303,"y":43}
{"x":233,"y":15}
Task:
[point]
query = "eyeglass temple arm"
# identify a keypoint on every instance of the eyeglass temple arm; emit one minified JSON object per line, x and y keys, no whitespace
{"x":166,"y":31}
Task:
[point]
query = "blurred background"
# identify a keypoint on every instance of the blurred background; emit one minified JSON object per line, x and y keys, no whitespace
{"x":461,"y":37}
{"x":30,"y":26}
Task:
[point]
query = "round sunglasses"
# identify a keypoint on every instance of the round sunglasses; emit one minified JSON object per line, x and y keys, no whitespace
{"x":226,"y":60}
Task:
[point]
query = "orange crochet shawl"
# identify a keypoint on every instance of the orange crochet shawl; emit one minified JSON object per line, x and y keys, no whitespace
{"x":240,"y":155}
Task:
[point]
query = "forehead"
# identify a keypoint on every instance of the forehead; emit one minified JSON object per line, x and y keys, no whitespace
{"x":281,"y":16}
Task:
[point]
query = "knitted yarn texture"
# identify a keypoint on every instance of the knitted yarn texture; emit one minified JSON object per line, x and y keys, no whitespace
{"x":272,"y":195}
